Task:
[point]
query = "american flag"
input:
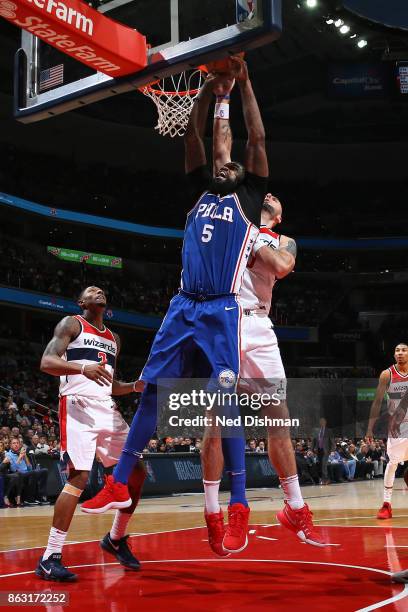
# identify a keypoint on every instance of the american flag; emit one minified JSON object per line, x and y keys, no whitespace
{"x":51,"y":77}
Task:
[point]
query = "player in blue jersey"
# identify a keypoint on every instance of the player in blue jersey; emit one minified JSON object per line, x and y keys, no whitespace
{"x":200,"y":334}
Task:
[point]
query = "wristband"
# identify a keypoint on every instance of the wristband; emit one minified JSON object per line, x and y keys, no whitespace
{"x":134,"y":386}
{"x":221,"y":98}
{"x":83,"y":369}
{"x":221,"y":111}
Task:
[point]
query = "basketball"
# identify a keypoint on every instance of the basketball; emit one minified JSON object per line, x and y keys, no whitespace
{"x":224,"y":66}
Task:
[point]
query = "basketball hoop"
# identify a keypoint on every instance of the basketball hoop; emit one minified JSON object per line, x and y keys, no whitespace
{"x":174,"y":97}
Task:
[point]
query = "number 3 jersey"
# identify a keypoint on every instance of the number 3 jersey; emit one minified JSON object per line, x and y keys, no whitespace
{"x":220,"y":233}
{"x":91,"y":346}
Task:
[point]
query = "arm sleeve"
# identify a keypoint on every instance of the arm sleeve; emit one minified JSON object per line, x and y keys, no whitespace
{"x":198,"y":181}
{"x":256,"y":189}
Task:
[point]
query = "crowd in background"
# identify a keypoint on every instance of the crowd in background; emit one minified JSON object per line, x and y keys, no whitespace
{"x":29,"y":266}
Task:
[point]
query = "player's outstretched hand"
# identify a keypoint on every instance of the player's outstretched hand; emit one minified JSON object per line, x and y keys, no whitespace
{"x":240,"y":69}
{"x":98,"y":374}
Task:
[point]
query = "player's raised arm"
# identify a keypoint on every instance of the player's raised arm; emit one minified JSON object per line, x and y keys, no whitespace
{"x":222,"y":135}
{"x":281,"y":261}
{"x":193,"y":140}
{"x":256,"y":160}
{"x":53,"y":363}
{"x":383,"y":383}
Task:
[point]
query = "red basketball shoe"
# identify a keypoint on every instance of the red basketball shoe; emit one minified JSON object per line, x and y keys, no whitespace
{"x":385,"y":512}
{"x":216,"y":532}
{"x":236,"y":534}
{"x":300,"y":522}
{"x":113,"y":495}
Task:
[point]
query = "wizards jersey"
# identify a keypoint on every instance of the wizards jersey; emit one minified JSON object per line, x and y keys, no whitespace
{"x":397,"y":388}
{"x":219,"y":235}
{"x":91,"y":346}
{"x":259,"y":280}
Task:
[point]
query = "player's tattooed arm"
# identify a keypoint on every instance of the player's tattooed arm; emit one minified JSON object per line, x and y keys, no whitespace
{"x":375,"y":410}
{"x":193,"y":140}
{"x":118,"y":386}
{"x":290,"y":246}
{"x":52,"y":362}
{"x":222,"y":143}
{"x":280,"y":261}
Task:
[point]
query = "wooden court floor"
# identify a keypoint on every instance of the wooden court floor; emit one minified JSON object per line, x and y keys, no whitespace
{"x":169,"y":539}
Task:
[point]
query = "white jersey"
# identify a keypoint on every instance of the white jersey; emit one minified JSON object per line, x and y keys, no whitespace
{"x":397,"y":388}
{"x":258,"y":280}
{"x":91,"y":346}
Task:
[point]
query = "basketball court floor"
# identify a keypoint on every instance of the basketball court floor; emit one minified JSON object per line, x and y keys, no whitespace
{"x":179,"y":571}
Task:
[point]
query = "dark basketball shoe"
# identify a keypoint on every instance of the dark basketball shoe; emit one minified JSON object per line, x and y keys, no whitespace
{"x":120,"y":549}
{"x":52,"y":569}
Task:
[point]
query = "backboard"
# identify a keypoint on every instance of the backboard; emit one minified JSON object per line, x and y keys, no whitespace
{"x":181,"y":34}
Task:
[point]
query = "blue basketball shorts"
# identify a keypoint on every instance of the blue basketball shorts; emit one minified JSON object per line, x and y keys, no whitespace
{"x":197,"y":339}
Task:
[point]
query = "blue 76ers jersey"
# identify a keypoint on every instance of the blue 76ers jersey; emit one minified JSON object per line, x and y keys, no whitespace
{"x":219,"y":238}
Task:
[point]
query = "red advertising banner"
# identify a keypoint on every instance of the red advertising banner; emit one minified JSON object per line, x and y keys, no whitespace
{"x":76,"y":29}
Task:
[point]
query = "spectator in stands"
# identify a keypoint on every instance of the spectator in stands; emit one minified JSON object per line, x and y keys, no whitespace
{"x":12,"y":485}
{"x":42,"y":446}
{"x":261,"y":448}
{"x":32,"y":479}
{"x":323,"y":444}
{"x":335,"y":467}
{"x":349,"y":464}
{"x":377,"y":458}
{"x":304,"y":466}
{"x":152,"y":446}
{"x":251,"y":446}
{"x":364,"y":458}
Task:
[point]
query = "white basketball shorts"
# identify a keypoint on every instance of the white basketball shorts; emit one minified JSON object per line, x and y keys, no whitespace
{"x":90,"y":426}
{"x":261,"y":368}
{"x":397,"y":449}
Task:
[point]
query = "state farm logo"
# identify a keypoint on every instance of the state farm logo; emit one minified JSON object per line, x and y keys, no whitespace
{"x":7,"y":9}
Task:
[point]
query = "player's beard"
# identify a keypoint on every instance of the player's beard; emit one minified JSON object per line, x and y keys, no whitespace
{"x":224,"y":187}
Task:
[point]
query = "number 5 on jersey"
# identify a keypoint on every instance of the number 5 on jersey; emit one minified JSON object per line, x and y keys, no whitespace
{"x":207,"y":232}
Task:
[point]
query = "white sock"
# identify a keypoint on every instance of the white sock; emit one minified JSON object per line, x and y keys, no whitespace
{"x":211,"y":489}
{"x":293,"y":494}
{"x":389,"y":478}
{"x":120,"y":523}
{"x":56,"y":541}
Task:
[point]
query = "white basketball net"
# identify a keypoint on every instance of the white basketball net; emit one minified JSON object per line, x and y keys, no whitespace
{"x":174,"y":98}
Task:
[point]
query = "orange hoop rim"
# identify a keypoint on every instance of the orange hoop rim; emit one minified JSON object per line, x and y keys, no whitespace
{"x":172,"y":93}
{"x":161,"y":92}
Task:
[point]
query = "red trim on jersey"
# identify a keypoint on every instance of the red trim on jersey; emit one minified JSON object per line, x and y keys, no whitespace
{"x":243,"y":249}
{"x":266,"y":230}
{"x":88,"y":328}
{"x":396,"y":375}
{"x":63,"y":423}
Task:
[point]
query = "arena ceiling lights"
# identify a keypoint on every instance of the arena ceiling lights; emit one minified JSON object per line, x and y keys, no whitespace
{"x":327,"y":12}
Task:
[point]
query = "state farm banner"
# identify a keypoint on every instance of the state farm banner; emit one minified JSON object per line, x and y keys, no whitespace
{"x":93,"y":259}
{"x":73,"y":27}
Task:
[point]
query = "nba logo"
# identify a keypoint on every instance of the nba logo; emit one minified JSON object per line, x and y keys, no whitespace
{"x":245,"y":10}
